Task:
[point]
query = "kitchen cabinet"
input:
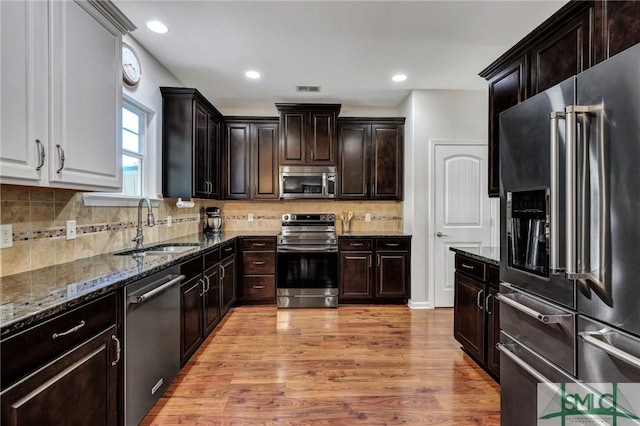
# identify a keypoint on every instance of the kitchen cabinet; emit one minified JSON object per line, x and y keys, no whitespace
{"x":476,"y":311}
{"x":251,"y":158}
{"x":190,"y":144}
{"x":617,"y":27}
{"x":308,"y":134}
{"x":374,"y":270}
{"x":199,"y":301}
{"x":61,"y":94}
{"x":258,"y":269}
{"x":64,"y":370}
{"x":370,"y":158}
{"x":227,"y":277}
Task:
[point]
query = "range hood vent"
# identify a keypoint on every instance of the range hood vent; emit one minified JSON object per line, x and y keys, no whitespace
{"x":308,"y":89}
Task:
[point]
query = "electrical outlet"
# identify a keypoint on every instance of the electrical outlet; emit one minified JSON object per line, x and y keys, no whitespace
{"x":72,"y":289}
{"x":71,"y":230}
{"x":250,"y":217}
{"x":198,"y":217}
{"x":367,"y":217}
{"x":170,"y":221}
{"x":6,"y":236}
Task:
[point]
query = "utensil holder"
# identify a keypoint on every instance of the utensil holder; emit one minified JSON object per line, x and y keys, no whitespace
{"x":346,"y":225}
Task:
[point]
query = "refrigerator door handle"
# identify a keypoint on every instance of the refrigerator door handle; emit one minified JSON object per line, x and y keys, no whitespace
{"x":590,"y":338}
{"x":522,"y":363}
{"x":554,"y":224}
{"x":543,"y":318}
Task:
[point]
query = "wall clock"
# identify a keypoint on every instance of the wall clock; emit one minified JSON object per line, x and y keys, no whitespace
{"x":131,"y":71}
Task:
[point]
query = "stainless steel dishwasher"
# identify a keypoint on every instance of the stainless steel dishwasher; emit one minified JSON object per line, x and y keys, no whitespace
{"x":152,"y":340}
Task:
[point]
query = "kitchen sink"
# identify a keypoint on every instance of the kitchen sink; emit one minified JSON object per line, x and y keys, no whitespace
{"x":161,"y":249}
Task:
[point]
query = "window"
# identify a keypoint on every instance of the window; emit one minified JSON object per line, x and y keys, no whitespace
{"x":133,"y":149}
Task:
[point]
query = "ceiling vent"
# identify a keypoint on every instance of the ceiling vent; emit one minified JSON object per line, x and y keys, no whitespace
{"x":308,"y":89}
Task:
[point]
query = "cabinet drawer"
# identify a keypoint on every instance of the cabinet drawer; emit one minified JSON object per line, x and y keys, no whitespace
{"x":470,"y":267}
{"x":258,"y":244}
{"x":359,"y":244}
{"x":191,"y":268}
{"x":393,"y":244}
{"x":258,"y":263}
{"x":259,"y":288}
{"x":32,"y":348}
{"x":493,"y":275}
{"x":211,"y":258}
{"x":227,"y":249}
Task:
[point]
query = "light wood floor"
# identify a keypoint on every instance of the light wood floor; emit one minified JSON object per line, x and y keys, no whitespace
{"x":361,"y":365}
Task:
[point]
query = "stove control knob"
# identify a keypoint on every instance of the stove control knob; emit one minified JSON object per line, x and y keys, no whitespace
{"x":285,"y":217}
{"x":331,"y":217}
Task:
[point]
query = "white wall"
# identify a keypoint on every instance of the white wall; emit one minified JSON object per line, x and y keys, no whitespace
{"x":442,"y":115}
{"x":147,"y":95}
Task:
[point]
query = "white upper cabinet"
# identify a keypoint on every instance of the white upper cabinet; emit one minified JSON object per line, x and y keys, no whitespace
{"x":61,"y":83}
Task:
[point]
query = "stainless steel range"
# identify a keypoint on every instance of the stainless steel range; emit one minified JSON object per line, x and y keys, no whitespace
{"x":307,"y":255}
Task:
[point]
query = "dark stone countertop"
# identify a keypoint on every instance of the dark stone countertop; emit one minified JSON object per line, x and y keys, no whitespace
{"x":34,"y":295}
{"x":490,"y":255}
{"x":374,"y":234}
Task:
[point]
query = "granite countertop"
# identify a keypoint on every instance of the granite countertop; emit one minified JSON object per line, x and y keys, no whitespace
{"x":487,"y":254}
{"x":34,"y":295}
{"x":374,"y":234}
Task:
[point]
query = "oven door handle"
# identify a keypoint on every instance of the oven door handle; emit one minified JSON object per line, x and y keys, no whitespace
{"x":307,"y":249}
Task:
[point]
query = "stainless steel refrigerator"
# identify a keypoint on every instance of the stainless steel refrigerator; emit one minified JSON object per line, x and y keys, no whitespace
{"x":570,"y":235}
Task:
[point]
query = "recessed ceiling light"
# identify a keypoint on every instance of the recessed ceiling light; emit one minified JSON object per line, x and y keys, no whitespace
{"x":399,"y":77}
{"x":157,"y":27}
{"x":252,"y":74}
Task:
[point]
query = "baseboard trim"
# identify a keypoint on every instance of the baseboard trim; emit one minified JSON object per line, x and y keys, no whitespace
{"x":419,"y":305}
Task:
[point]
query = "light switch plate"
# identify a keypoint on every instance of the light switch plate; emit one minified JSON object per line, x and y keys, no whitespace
{"x":71,"y":230}
{"x":367,"y":217}
{"x":169,"y":221}
{"x":6,"y":236}
{"x":250,"y":217}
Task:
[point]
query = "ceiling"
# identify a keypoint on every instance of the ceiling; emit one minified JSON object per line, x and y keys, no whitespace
{"x":351,"y":49}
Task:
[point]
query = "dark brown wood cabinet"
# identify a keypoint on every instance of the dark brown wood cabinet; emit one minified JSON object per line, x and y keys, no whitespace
{"x":258,"y":269}
{"x":578,"y":36}
{"x":227,"y":277}
{"x":44,"y":376}
{"x":251,"y":158}
{"x":308,"y":134}
{"x":374,"y":270}
{"x":190,"y":144}
{"x":476,"y":311}
{"x":371,"y":158}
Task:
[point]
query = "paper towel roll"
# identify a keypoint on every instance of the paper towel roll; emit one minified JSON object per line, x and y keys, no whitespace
{"x":184,"y":204}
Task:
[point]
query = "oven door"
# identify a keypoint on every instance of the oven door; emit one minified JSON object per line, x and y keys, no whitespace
{"x":307,"y":278}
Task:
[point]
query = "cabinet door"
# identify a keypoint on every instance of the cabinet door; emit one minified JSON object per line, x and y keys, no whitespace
{"x":354,"y":146}
{"x":292,"y":140}
{"x":561,"y":54}
{"x":387,"y":151}
{"x":201,"y":185}
{"x":393,"y":274}
{"x":238,"y":161}
{"x":76,"y":388}
{"x":356,"y":275}
{"x":321,"y":143}
{"x":506,"y":89}
{"x":213,"y":154}
{"x":265,"y":160}
{"x":468,"y":317}
{"x":23,"y":98}
{"x":211,"y":299}
{"x":618,"y":27}
{"x":227,"y":283}
{"x":191,"y":317}
{"x":492,"y":308}
{"x":85,"y":149}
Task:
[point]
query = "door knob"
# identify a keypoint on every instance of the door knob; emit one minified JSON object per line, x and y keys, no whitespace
{"x":440,"y":235}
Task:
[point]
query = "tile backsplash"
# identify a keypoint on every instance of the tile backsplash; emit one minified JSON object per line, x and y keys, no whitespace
{"x":39,"y":216}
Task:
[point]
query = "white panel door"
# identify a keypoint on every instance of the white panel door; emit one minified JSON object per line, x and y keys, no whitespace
{"x":87,"y":94}
{"x":23,"y":91}
{"x":462,"y":215}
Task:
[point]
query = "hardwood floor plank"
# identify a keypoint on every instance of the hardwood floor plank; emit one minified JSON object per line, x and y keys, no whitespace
{"x":355,"y":365}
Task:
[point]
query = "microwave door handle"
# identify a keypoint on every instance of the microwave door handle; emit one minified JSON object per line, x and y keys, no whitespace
{"x":325,"y":185}
{"x":554,"y":224}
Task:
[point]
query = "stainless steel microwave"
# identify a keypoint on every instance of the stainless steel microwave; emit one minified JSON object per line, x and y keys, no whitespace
{"x":299,"y":182}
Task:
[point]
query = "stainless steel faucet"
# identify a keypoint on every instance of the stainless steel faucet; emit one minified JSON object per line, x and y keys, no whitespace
{"x":139,"y":238}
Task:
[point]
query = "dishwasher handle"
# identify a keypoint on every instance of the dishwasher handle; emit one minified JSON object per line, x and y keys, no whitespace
{"x":146,"y":296}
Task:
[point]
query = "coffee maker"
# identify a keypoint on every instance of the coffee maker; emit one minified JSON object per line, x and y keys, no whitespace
{"x":213,"y":221}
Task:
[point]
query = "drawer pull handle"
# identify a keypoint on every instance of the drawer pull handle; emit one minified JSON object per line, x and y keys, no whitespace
{"x":356,"y":244}
{"x":258,"y":244}
{"x":69,"y":331}
{"x":118,"y":350}
{"x":228,"y":249}
{"x":543,"y":318}
{"x":392,"y":244}
{"x":464,"y":265}
{"x":598,"y":339}
{"x":258,"y":286}
{"x":255,"y":262}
